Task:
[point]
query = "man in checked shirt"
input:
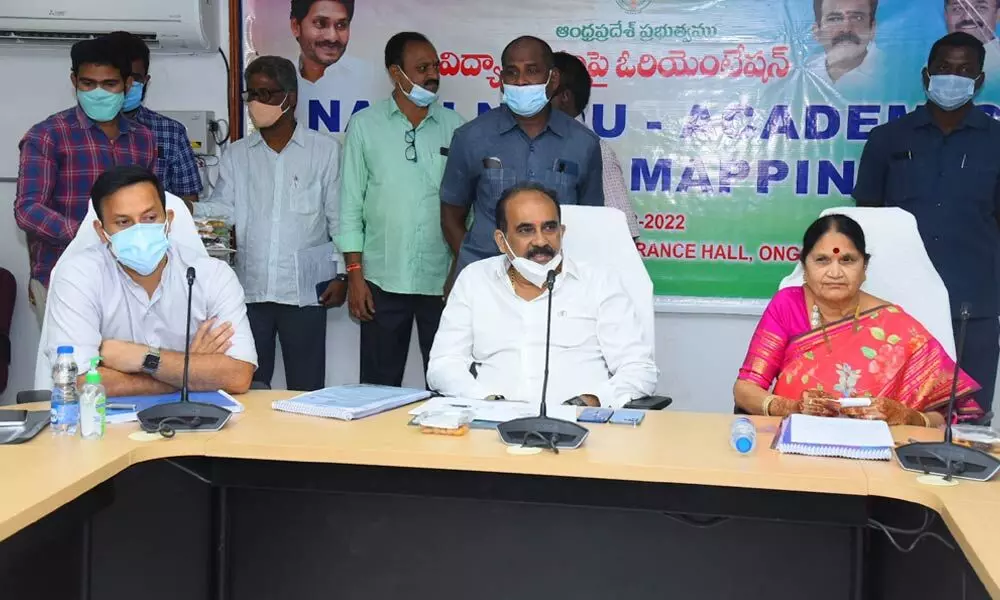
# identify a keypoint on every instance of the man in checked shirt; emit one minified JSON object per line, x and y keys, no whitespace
{"x":62,"y":156}
{"x":572,"y":98}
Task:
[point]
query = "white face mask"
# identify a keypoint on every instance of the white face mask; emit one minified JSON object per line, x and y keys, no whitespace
{"x":534,"y":272}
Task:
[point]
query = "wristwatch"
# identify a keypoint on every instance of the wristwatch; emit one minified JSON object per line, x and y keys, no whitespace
{"x":151,"y":362}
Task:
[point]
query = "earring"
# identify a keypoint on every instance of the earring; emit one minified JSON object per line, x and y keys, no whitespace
{"x":816,"y":320}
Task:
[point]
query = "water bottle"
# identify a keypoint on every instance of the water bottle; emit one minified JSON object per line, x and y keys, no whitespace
{"x":93,"y":404}
{"x":65,"y":411}
{"x":743,"y":435}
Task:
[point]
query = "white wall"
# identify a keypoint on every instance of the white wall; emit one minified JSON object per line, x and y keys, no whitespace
{"x":698,"y":354}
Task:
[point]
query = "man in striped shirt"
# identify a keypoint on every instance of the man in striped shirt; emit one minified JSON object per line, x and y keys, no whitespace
{"x":62,"y":156}
{"x":176,"y":167}
{"x":572,"y":98}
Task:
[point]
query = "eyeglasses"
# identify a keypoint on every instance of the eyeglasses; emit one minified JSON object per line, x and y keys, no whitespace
{"x":411,"y":145}
{"x":262,"y":94}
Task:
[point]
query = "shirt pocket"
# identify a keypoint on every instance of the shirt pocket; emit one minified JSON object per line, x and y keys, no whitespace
{"x":563,"y":184}
{"x":978,"y":184}
{"x":574,"y":326}
{"x":497,"y":181}
{"x":306,"y":200}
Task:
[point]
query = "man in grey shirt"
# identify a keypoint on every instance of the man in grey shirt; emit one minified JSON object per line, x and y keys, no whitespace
{"x":522,"y":140}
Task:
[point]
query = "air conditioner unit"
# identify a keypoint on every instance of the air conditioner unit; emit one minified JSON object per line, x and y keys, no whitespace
{"x":178,"y":26}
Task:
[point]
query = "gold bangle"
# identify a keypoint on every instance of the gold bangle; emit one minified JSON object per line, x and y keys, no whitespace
{"x":927,"y":420}
{"x":766,"y":406}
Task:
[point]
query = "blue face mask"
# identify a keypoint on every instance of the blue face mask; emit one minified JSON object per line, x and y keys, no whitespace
{"x":100,"y":105}
{"x":526,"y":100}
{"x":950,"y":91}
{"x":420,"y":96}
{"x":141,"y":247}
{"x":134,"y":97}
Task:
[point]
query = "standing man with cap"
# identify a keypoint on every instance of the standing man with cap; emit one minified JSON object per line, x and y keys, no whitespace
{"x":390,"y":232}
{"x":940,"y":162}
{"x":523,"y":140}
{"x":175,"y":167}
{"x":62,"y":156}
{"x":279,"y":188}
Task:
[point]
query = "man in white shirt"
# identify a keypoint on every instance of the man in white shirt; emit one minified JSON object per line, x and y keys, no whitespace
{"x":572,"y":98}
{"x":330,"y":83}
{"x":846,"y":30}
{"x":126,"y":300}
{"x":977,"y":18}
{"x":279,"y":188}
{"x":491,"y":341}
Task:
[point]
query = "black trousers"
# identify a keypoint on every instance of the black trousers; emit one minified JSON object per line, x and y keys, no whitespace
{"x":982,"y":351}
{"x":385,"y":340}
{"x":302,"y":332}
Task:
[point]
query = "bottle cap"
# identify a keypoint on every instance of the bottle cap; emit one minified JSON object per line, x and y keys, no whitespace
{"x":64,"y":350}
{"x":93,"y":375}
{"x":743,"y":445}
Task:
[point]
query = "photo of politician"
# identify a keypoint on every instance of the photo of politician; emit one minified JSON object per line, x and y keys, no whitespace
{"x":977,"y":18}
{"x":845,"y":30}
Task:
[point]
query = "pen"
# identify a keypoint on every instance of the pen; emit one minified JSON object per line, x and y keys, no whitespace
{"x":963,"y":161}
{"x":459,"y":406}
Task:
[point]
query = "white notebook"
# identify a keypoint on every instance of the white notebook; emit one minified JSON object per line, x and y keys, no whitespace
{"x":349,"y":402}
{"x":836,"y":437}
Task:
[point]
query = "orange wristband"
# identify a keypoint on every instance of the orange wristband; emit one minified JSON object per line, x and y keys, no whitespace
{"x":353,"y":267}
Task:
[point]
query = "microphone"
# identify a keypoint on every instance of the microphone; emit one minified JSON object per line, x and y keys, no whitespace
{"x":184,"y":415}
{"x":187,"y":338}
{"x":544,"y":431}
{"x":948,"y":459}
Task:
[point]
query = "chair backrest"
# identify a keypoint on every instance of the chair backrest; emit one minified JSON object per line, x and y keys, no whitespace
{"x":599,"y":235}
{"x":182,"y":231}
{"x":900,"y":270}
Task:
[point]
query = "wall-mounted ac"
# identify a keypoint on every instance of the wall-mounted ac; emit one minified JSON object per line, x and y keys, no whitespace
{"x":179,"y":26}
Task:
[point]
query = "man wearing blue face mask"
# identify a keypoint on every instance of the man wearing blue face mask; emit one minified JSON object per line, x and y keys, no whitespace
{"x":62,"y":156}
{"x":126,"y":299}
{"x":390,"y":212}
{"x":941,"y":163}
{"x":522,"y":140}
{"x":175,"y":162}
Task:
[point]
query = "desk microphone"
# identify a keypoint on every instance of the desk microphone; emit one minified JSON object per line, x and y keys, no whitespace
{"x":184,"y":415}
{"x":543,"y":431}
{"x":947,"y":458}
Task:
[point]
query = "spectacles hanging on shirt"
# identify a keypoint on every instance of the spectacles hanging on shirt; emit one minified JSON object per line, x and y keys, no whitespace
{"x":411,"y":145}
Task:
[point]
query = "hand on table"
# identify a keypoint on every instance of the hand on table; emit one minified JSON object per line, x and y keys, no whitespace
{"x":820,"y":404}
{"x":885,"y":409}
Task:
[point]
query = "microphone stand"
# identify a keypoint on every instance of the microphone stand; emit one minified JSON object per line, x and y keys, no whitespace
{"x":544,"y":431}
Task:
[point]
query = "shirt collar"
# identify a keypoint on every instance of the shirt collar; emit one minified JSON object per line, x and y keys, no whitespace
{"x":86,"y":123}
{"x":568,"y":267}
{"x":558,"y":122}
{"x":975,"y":118}
{"x":255,"y":138}
{"x":433,"y":111}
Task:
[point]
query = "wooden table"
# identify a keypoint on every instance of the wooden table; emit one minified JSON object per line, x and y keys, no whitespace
{"x":675,"y":464}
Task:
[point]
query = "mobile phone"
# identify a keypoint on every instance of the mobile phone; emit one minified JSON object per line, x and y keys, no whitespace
{"x":595,"y":415}
{"x":628,"y":416}
{"x":13,"y":418}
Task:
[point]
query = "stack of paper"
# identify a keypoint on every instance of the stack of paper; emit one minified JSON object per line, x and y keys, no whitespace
{"x":494,"y":411}
{"x":349,"y":402}
{"x":831,"y":436}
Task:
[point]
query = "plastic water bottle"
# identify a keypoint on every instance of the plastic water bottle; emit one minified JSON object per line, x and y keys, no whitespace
{"x":743,"y":435}
{"x":93,"y":404}
{"x":65,"y":412}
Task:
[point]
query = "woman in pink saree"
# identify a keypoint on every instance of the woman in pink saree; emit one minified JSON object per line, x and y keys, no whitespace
{"x":829,"y":340}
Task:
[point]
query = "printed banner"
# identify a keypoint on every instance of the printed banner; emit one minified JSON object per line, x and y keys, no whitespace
{"x":737,"y":121}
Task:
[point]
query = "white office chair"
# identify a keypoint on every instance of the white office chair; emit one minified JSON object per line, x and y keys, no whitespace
{"x":599,"y":235}
{"x":182,"y":231}
{"x":900,"y":270}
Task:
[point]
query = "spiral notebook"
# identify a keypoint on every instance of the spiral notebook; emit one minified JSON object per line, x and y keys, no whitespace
{"x":349,"y":402}
{"x":835,"y":437}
